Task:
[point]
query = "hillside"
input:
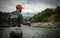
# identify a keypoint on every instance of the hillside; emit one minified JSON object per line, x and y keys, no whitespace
{"x":47,"y":15}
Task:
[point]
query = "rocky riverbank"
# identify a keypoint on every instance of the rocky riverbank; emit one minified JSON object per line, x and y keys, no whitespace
{"x":46,"y":24}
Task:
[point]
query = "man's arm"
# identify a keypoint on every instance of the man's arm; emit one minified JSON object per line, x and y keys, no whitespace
{"x":22,"y":20}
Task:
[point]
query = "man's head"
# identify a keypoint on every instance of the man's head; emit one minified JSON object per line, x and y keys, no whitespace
{"x":19,"y":7}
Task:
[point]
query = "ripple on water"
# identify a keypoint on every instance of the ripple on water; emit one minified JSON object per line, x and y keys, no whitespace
{"x":40,"y":32}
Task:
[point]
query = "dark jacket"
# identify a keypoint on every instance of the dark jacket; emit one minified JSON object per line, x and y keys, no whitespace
{"x":16,"y":18}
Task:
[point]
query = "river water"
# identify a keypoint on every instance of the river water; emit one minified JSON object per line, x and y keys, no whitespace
{"x":31,"y":32}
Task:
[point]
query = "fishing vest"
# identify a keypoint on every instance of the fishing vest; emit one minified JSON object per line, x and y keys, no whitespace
{"x":14,"y":19}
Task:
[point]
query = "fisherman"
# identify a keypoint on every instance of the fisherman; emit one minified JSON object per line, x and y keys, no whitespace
{"x":15,"y":21}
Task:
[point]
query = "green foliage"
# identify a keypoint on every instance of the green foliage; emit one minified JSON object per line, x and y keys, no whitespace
{"x":57,"y":16}
{"x":44,"y":15}
{"x":3,"y":19}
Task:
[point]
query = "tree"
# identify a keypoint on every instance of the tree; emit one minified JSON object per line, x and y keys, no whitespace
{"x":45,"y":14}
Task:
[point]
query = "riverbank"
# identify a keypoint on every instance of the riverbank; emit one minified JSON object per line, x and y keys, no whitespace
{"x":46,"y":25}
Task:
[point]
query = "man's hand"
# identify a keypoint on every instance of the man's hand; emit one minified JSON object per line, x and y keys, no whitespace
{"x":27,"y":23}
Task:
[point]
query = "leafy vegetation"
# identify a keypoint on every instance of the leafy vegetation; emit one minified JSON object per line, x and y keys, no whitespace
{"x":45,"y":14}
{"x":3,"y":19}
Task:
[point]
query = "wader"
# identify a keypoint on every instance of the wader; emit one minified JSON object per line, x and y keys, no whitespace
{"x":15,"y":32}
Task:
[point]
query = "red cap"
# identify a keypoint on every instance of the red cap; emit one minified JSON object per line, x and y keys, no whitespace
{"x":18,"y":6}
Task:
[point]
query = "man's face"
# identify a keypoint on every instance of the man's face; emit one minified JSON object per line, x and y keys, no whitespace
{"x":20,"y":10}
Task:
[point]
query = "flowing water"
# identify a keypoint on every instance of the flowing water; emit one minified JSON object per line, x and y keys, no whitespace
{"x":31,"y":32}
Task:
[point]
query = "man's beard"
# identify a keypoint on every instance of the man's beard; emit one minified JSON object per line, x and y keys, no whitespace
{"x":20,"y":10}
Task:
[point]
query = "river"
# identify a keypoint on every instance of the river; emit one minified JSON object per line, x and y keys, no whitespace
{"x":31,"y":32}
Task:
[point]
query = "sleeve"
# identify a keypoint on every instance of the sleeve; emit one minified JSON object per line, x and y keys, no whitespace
{"x":21,"y":19}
